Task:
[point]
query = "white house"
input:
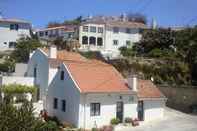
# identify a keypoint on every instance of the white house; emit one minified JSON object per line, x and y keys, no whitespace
{"x":47,"y":35}
{"x":11,"y":30}
{"x":89,"y":93}
{"x":108,"y":36}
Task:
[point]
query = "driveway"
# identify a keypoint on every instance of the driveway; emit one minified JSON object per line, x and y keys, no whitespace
{"x":173,"y":121}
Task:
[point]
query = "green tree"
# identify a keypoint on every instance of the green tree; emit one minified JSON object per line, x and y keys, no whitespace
{"x":23,"y":48}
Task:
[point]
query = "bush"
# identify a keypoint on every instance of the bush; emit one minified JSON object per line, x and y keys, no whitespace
{"x":128,"y":120}
{"x":107,"y":128}
{"x":68,"y":125}
{"x":54,"y":119}
{"x":115,"y":121}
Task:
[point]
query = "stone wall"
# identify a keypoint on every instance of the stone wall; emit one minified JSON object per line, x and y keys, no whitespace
{"x":180,"y":98}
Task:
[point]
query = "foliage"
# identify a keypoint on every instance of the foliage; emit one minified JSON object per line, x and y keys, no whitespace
{"x":92,"y":55}
{"x":115,"y":121}
{"x":69,"y":45}
{"x":75,"y":21}
{"x":17,"y":89}
{"x":127,"y":52}
{"x":173,"y":56}
{"x":22,"y":118}
{"x":128,"y":120}
{"x":23,"y":47}
{"x":136,"y":17}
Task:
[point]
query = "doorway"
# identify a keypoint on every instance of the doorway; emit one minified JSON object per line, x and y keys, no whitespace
{"x":141,"y":110}
{"x":119,"y":111}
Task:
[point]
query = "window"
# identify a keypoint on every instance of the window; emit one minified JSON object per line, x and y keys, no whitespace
{"x":92,"y":41}
{"x":128,"y":43}
{"x":46,"y":33}
{"x":35,"y":72}
{"x":55,"y":103}
{"x":95,"y":109}
{"x":115,"y":42}
{"x":84,"y":40}
{"x":12,"y":44}
{"x":5,"y":43}
{"x":128,"y":30}
{"x":13,"y":26}
{"x":63,"y":105}
{"x":116,"y":30}
{"x":62,"y":75}
{"x":85,"y":28}
{"x":100,"y":41}
{"x":41,"y":34}
{"x":92,"y":29}
{"x":100,"y":29}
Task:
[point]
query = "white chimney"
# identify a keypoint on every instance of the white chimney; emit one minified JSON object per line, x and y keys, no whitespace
{"x":53,"y":52}
{"x":132,"y":82}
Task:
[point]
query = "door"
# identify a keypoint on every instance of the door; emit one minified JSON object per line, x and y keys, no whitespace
{"x":141,"y":110}
{"x":119,"y":111}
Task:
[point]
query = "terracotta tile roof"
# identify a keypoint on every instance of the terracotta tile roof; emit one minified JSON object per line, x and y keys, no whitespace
{"x":14,"y":20}
{"x":65,"y":55}
{"x":95,"y":76}
{"x":146,"y":89}
{"x":116,"y":23}
{"x":126,"y":24}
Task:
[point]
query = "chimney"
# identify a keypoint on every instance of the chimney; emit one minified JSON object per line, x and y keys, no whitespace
{"x":53,"y":52}
{"x":132,"y":82}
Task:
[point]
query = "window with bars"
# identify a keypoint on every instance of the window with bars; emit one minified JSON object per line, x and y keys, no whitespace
{"x":95,"y":109}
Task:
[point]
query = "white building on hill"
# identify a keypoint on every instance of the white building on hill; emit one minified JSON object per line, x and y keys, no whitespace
{"x":108,"y":36}
{"x":11,"y":30}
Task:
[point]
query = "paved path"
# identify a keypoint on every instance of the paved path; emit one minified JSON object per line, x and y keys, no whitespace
{"x":173,"y":121}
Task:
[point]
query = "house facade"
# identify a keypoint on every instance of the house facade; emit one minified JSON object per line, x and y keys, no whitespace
{"x":11,"y":30}
{"x":47,"y":35}
{"x":89,"y":93}
{"x":108,"y":36}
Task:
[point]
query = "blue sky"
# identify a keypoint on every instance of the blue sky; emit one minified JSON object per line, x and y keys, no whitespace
{"x":40,"y":12}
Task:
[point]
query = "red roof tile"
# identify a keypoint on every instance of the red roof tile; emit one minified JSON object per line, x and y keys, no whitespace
{"x":146,"y":89}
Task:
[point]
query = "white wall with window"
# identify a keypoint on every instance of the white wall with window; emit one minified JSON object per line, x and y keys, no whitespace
{"x":92,"y":36}
{"x":10,"y":32}
{"x":108,"y":38}
{"x":97,"y":110}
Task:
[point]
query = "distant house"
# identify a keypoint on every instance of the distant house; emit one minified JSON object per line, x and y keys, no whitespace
{"x":108,"y":36}
{"x":47,"y":35}
{"x":11,"y":30}
{"x":89,"y":93}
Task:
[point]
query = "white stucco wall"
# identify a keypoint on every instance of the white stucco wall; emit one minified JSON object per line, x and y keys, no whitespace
{"x":108,"y":49}
{"x":40,"y":61}
{"x":94,"y":34}
{"x":107,"y":109}
{"x":64,"y":90}
{"x":6,"y":80}
{"x":153,"y":109}
{"x":122,"y":37}
{"x":7,"y":35}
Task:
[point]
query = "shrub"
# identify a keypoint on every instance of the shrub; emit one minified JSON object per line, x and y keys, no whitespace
{"x":95,"y":129}
{"x":68,"y":125}
{"x":128,"y":120}
{"x":115,"y":121}
{"x":107,"y":128}
{"x":54,"y":119}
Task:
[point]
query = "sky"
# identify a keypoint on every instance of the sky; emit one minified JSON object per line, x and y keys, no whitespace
{"x":40,"y":12}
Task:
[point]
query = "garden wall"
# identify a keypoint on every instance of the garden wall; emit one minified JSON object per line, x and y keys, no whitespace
{"x":180,"y":98}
